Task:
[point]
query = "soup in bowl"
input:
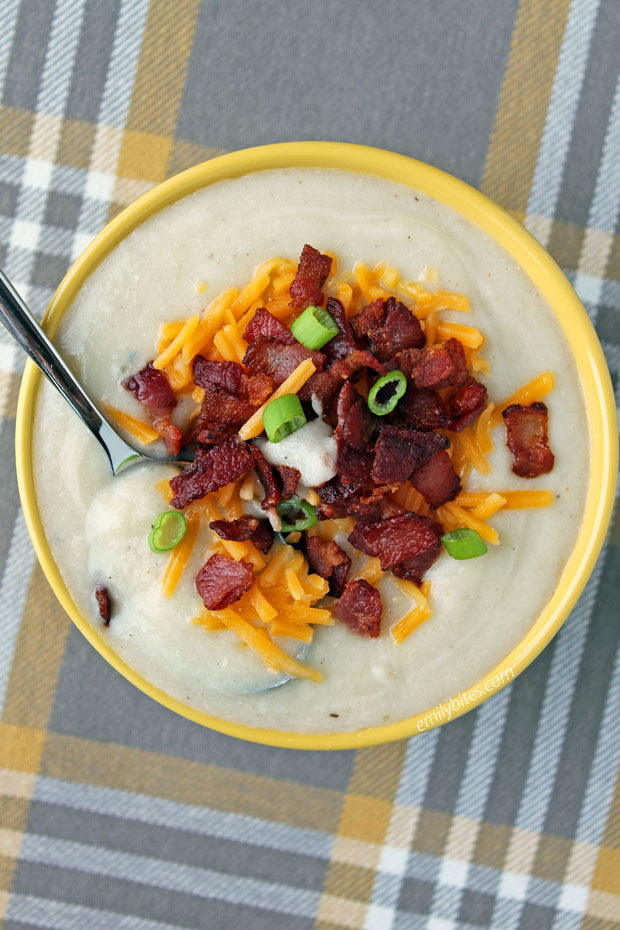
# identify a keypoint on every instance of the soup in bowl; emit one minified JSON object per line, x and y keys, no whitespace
{"x":403,"y":434}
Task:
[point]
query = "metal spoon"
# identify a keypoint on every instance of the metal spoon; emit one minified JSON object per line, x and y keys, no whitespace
{"x":25,"y":329}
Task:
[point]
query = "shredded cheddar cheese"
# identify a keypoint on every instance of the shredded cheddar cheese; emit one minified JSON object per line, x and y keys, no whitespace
{"x":141,"y":431}
{"x":180,"y":555}
{"x":533,"y":391}
{"x":295,"y":381}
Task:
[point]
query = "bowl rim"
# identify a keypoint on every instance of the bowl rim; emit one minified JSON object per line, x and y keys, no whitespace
{"x":540,"y":268}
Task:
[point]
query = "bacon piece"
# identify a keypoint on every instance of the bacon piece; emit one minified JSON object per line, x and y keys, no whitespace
{"x":312,"y":273}
{"x":327,"y":559}
{"x":360,"y":608}
{"x":397,"y":539}
{"x":212,"y":468}
{"x":422,"y":408}
{"x":104,"y":603}
{"x":399,"y":451}
{"x":353,"y":466}
{"x":344,"y":343}
{"x":466,"y":404}
{"x":152,"y":389}
{"x":325,"y":385}
{"x":339,"y":499}
{"x":264,"y":325}
{"x":527,"y":439}
{"x":433,"y":366}
{"x":266,"y":477}
{"x":231,"y":397}
{"x":289,"y":478}
{"x":413,"y":569}
{"x":258,"y":532}
{"x":355,"y":421}
{"x":222,"y":581}
{"x":389,"y":327}
{"x":273,"y":349}
{"x":436,"y":480}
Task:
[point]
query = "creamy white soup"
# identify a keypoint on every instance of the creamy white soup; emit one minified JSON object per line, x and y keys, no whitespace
{"x":97,"y":525}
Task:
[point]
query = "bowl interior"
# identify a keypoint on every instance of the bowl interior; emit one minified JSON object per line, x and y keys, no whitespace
{"x":545,"y":275}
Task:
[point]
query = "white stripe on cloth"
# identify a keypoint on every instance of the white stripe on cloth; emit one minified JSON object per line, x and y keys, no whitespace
{"x":38,"y":166}
{"x":551,"y":733}
{"x":176,"y":877}
{"x":190,"y":818}
{"x":560,"y":118}
{"x":408,"y":802}
{"x":10,"y":9}
{"x":58,"y":915}
{"x":470,"y":805}
{"x":13,"y":590}
{"x":113,"y":112}
{"x":603,"y":216}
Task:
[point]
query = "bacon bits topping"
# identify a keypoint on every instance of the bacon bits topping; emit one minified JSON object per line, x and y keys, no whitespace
{"x":211,"y":469}
{"x":152,"y":389}
{"x":104,"y":602}
{"x":527,"y":439}
{"x":222,"y":581}
{"x":258,"y":532}
{"x":289,"y":479}
{"x":422,"y":409}
{"x":231,"y":397}
{"x":433,"y":366}
{"x":344,"y":343}
{"x":466,"y":404}
{"x":327,"y":559}
{"x":355,"y":422}
{"x":397,"y":539}
{"x":266,"y":478}
{"x":399,"y":451}
{"x":436,"y":480}
{"x":325,"y":385}
{"x":312,"y":273}
{"x":273,"y":350}
{"x":360,"y":608}
{"x":389,"y":327}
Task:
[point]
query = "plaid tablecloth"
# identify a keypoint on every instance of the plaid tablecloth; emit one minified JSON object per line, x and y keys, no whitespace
{"x":118,"y":815}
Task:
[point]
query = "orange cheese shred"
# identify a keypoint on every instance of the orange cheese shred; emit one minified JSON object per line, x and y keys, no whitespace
{"x":532,"y":391}
{"x":141,"y":431}
{"x":295,"y":381}
{"x":180,"y":555}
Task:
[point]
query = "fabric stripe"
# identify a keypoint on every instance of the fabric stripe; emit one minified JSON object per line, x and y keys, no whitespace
{"x":20,"y":561}
{"x":555,"y":141}
{"x":10,"y":10}
{"x":171,"y":876}
{"x":58,"y":915}
{"x":603,"y":217}
{"x":523,"y":103}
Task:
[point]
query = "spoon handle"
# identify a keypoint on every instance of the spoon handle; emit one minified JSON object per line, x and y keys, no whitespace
{"x":23,"y":326}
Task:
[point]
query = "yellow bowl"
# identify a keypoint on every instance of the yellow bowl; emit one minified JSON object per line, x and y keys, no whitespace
{"x":546,"y":276}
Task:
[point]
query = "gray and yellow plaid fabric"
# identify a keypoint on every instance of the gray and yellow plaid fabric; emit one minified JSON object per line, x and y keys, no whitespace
{"x":116,"y":814}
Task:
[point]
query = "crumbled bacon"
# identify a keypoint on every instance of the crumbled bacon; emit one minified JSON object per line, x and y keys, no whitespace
{"x":526,"y":437}
{"x":355,"y":422}
{"x":104,"y":603}
{"x":413,"y":569}
{"x":434,"y":366}
{"x":152,"y":389}
{"x":289,"y":478}
{"x":344,"y":343}
{"x":312,"y":273}
{"x":325,"y":385}
{"x":389,"y":327}
{"x":353,"y":465}
{"x":212,"y":468}
{"x":466,"y":404}
{"x":266,"y":477}
{"x":339,"y":499}
{"x":258,"y":532}
{"x":327,"y":559}
{"x":273,"y":350}
{"x":422,"y":408}
{"x":397,"y":538}
{"x":455,"y":350}
{"x":399,"y":451}
{"x":360,"y":608}
{"x":222,"y":581}
{"x":230,"y":398}
{"x":436,"y":480}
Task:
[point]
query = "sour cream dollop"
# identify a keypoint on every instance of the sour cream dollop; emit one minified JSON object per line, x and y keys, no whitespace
{"x":312,"y":450}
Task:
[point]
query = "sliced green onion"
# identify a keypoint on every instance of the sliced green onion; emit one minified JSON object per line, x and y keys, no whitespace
{"x":168,"y":531}
{"x":464,"y":543}
{"x":314,"y":327}
{"x":283,"y":416}
{"x":387,"y":391}
{"x":296,"y":514}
